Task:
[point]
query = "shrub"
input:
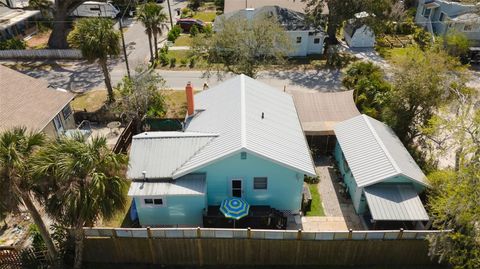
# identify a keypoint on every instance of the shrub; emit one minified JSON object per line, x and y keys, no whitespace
{"x":311,"y":180}
{"x":174,"y":33}
{"x":194,"y":4}
{"x":185,"y":11}
{"x":12,"y":44}
{"x":164,"y":49}
{"x":163,"y":58}
{"x":422,"y":38}
{"x":208,"y":30}
{"x":406,"y":28}
{"x":171,"y":36}
{"x":457,"y":44}
{"x":173,"y":62}
{"x":183,"y":62}
{"x":194,"y":31}
{"x":192,"y":62}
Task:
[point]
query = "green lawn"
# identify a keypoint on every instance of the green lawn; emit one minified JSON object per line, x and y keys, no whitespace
{"x":183,"y":40}
{"x":317,"y":208}
{"x":206,"y":16}
{"x":90,"y":101}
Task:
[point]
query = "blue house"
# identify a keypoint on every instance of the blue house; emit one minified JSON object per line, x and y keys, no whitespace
{"x":441,"y":16}
{"x":241,"y":138}
{"x":380,"y":175}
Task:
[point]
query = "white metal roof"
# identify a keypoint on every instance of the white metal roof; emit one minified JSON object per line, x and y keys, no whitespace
{"x":395,"y":202}
{"x":193,"y":184}
{"x":159,"y":154}
{"x":374,"y":153}
{"x":234,"y":111}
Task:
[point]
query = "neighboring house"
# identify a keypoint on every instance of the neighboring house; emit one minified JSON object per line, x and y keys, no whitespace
{"x":17,"y":23}
{"x":32,"y":103}
{"x":242,"y":138}
{"x":440,"y":16}
{"x":357,"y":34}
{"x":381,"y":177}
{"x":305,"y":38}
{"x":295,"y":5}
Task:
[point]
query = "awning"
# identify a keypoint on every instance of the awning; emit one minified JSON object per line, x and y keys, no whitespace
{"x":395,"y":202}
{"x":319,"y":112}
{"x":193,"y":184}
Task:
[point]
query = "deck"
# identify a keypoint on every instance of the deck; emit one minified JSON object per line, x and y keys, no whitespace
{"x":259,"y":217}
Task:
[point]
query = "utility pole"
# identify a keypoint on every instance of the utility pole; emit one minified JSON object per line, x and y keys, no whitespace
{"x":170,"y":13}
{"x":124,"y":47}
{"x":123,"y":38}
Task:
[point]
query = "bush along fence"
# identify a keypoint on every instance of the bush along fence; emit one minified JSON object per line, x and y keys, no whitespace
{"x":41,"y":54}
{"x":202,"y":246}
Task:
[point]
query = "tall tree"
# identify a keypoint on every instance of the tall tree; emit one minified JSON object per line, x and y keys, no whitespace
{"x":422,"y":84}
{"x":16,"y":184}
{"x":98,"y":41}
{"x":61,"y":11}
{"x":159,"y":19}
{"x":241,"y":46}
{"x":370,"y":88}
{"x":145,"y":14}
{"x":139,"y":96}
{"x":453,"y":203}
{"x":342,"y":10}
{"x":87,"y":183}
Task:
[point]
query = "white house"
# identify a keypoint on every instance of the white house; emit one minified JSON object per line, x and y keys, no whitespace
{"x":306,"y":39}
{"x":357,"y":34}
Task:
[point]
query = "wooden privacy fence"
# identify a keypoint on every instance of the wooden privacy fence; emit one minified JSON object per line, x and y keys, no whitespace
{"x":41,"y":54}
{"x":202,"y":246}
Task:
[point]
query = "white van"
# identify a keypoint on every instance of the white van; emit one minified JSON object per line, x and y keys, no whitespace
{"x":96,"y":9}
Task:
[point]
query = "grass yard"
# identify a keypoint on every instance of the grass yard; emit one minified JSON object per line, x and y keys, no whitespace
{"x":183,"y":40}
{"x":317,"y":208}
{"x":121,"y":218}
{"x":206,"y":16}
{"x":176,"y":103}
{"x":90,"y":101}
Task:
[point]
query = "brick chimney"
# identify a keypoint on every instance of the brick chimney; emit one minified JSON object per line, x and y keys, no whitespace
{"x":190,"y":101}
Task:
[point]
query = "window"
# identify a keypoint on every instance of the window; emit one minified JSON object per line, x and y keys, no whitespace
{"x":442,"y":16}
{"x":94,"y":9}
{"x":259,"y":183}
{"x":316,"y":40}
{"x":154,"y":202}
{"x":67,"y":111}
{"x":311,"y":33}
{"x":299,"y":39}
{"x":57,"y":122}
{"x":426,"y":12}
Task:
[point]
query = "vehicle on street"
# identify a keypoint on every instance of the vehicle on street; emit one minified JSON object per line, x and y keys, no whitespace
{"x":187,"y":23}
{"x":96,"y":9}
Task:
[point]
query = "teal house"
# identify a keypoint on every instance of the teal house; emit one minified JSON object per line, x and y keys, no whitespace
{"x":380,"y":175}
{"x":241,"y":138}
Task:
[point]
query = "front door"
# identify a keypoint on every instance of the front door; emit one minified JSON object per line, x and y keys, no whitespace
{"x":236,"y":188}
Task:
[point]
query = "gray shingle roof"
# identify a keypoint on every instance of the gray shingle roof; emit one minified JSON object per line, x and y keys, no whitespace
{"x":374,"y":153}
{"x":395,"y":202}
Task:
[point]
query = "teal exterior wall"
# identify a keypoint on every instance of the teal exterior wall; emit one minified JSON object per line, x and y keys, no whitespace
{"x":284,"y":187}
{"x":180,"y":210}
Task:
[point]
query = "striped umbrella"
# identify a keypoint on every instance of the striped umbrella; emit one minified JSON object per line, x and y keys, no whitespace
{"x":234,"y":208}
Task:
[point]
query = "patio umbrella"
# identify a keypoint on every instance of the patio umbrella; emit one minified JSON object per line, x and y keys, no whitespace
{"x":234,"y":208}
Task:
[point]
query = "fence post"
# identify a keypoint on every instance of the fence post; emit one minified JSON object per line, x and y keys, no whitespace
{"x":249,"y":233}
{"x":350,"y":232}
{"x":400,"y":234}
{"x":151,"y":246}
{"x":299,"y":234}
{"x":115,"y":244}
{"x":198,"y":240}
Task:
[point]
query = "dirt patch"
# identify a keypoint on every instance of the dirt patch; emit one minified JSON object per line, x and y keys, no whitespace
{"x":39,"y":41}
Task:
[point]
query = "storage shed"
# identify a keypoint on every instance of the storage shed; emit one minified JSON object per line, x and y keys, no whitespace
{"x":357,"y":34}
{"x":381,"y":177}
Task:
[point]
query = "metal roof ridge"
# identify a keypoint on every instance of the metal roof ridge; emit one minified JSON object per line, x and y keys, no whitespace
{"x":243,"y":124}
{"x":380,"y":143}
{"x":193,"y":155}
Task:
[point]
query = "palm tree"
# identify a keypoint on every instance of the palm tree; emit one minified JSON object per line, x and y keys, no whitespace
{"x":144,"y":15}
{"x":159,"y":18}
{"x":16,"y":184}
{"x":87,"y":183}
{"x":97,"y":40}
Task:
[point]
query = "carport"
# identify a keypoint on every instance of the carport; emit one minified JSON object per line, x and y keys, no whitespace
{"x":319,"y":112}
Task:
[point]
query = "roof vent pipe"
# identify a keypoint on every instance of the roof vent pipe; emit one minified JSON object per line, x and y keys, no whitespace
{"x":263,"y":115}
{"x":144,"y":173}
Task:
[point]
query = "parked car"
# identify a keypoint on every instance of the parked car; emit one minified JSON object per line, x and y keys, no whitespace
{"x":96,"y":9}
{"x":186,"y":24}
